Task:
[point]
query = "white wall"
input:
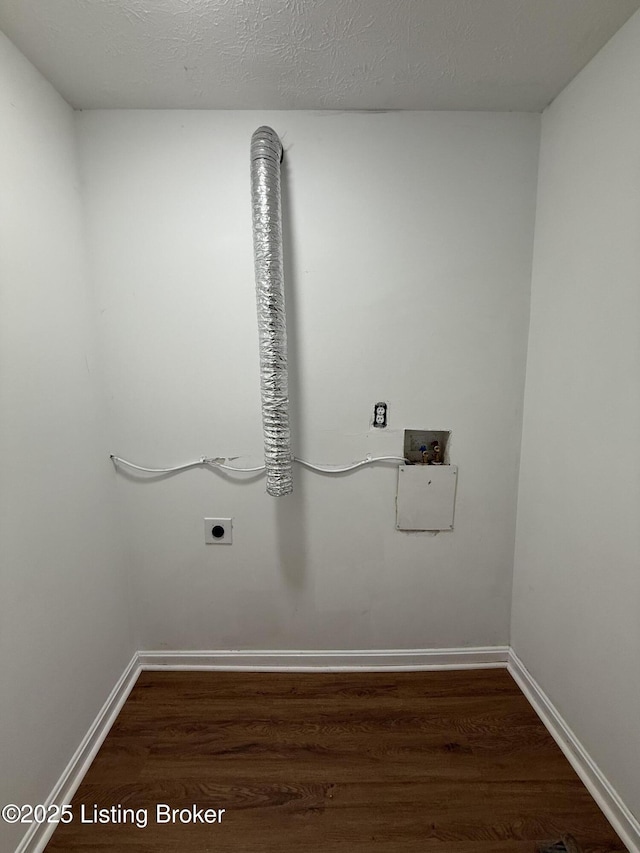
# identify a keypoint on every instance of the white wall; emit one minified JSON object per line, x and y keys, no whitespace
{"x":409,"y":240}
{"x":576,"y":606}
{"x":64,"y":629}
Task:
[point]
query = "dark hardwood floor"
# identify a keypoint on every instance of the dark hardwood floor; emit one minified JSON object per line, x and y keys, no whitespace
{"x":393,"y":762}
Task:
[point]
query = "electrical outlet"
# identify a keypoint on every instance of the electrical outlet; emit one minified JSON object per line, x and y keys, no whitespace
{"x":380,"y":415}
{"x":218,"y":531}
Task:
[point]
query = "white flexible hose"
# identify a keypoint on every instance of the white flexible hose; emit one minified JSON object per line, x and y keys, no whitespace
{"x":203,"y":461}
{"x":330,"y":469}
{"x":323,"y":469}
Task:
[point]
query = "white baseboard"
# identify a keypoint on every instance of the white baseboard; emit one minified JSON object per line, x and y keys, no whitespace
{"x":327,"y":661}
{"x":38,"y":835}
{"x":489,"y":657}
{"x":605,"y":795}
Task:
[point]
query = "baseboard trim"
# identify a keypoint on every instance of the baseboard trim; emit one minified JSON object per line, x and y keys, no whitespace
{"x":486,"y":657}
{"x":327,"y":661}
{"x":38,"y":835}
{"x":605,"y":795}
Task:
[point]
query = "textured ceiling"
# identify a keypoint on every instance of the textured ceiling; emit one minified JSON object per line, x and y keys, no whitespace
{"x":312,"y":54}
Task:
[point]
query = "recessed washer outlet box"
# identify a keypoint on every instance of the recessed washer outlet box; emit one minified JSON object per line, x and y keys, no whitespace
{"x":429,"y":439}
{"x":218,"y":531}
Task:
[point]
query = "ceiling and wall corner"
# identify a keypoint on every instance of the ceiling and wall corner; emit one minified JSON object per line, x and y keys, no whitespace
{"x":497,"y":55}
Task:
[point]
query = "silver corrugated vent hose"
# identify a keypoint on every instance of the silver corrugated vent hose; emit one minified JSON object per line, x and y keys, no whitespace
{"x":266,"y":155}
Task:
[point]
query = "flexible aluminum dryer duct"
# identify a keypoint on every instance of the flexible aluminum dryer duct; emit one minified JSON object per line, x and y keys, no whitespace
{"x":266,"y":156}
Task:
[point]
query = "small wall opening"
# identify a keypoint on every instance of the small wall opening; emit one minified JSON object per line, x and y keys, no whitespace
{"x":427,"y":446}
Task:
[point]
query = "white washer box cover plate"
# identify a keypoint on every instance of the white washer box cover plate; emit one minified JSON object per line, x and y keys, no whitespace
{"x":426,"y":497}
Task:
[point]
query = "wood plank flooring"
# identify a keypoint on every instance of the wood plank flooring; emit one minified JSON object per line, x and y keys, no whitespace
{"x":346,"y":763}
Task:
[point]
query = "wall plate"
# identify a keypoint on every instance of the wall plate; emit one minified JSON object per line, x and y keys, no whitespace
{"x":380,"y":415}
{"x":426,"y":497}
{"x":218,"y":531}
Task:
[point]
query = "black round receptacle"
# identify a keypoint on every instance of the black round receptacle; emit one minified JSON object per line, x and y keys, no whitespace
{"x":217,"y":532}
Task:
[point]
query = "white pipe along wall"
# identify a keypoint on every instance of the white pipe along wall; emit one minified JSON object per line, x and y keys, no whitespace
{"x":435,"y":324}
